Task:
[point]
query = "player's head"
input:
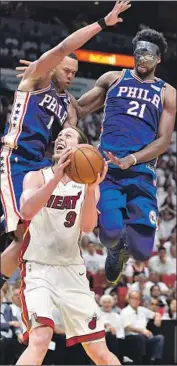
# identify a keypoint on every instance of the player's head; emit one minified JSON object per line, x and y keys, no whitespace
{"x":149,"y":48}
{"x":65,"y":72}
{"x":67,"y":138}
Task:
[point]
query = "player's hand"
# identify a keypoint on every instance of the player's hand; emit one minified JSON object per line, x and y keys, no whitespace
{"x":100,"y":178}
{"x":63,"y":161}
{"x":147,"y":333}
{"x":122,"y":163}
{"x":22,"y":68}
{"x":113,"y":17}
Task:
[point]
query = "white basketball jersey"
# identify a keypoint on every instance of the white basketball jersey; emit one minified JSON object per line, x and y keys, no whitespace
{"x":55,"y":230}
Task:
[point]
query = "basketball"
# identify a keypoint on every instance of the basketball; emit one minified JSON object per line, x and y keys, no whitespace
{"x":86,"y":163}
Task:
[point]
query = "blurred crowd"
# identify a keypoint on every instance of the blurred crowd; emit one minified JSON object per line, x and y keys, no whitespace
{"x":53,"y":25}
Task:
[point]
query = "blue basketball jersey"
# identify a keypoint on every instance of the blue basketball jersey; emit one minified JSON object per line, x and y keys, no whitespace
{"x":131,"y":115}
{"x":29,"y":130}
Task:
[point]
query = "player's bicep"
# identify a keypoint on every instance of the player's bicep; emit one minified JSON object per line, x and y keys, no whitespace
{"x":42,"y":67}
{"x":31,"y":183}
{"x":91,"y":101}
{"x":94,"y":99}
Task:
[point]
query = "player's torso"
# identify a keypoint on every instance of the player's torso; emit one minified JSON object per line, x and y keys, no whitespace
{"x":132,"y":113}
{"x":55,"y":230}
{"x":29,"y":130}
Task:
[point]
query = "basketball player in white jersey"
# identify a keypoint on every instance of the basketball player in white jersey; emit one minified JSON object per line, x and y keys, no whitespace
{"x":52,"y":268}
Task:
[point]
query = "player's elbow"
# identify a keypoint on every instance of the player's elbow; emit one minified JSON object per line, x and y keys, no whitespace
{"x":26,"y":213}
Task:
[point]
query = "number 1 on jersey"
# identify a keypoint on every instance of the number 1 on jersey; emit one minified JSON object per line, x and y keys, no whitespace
{"x":136,"y":109}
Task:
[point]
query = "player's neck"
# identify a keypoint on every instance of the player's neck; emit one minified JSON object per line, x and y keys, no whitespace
{"x":150,"y":77}
{"x":59,"y":90}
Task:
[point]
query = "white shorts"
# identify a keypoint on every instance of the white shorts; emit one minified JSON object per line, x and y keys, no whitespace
{"x":46,"y":289}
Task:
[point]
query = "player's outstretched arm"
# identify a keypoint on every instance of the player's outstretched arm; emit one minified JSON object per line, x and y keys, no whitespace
{"x":89,"y":214}
{"x":50,"y":59}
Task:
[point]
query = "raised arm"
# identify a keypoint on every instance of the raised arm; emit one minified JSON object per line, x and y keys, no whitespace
{"x":50,"y":59}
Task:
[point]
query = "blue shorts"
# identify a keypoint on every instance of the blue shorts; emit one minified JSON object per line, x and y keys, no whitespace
{"x":128,"y":197}
{"x":13,"y":170}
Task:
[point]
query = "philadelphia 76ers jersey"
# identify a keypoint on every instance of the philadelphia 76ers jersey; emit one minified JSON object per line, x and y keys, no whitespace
{"x":132,"y":112}
{"x":29,"y":130}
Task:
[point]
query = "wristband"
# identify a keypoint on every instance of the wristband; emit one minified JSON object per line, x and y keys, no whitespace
{"x":134,"y":158}
{"x":102,"y":23}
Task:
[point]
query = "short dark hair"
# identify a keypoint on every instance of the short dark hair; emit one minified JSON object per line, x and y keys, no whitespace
{"x":152,"y":288}
{"x":82,"y":137}
{"x":72,"y":55}
{"x":151,"y":35}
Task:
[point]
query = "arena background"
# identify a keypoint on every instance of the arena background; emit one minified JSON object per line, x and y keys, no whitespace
{"x":27,"y":29}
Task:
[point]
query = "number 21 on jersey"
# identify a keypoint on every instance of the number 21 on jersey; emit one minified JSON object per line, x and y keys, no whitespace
{"x":136,"y":109}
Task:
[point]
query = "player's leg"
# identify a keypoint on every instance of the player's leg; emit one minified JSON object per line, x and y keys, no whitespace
{"x":37,"y":310}
{"x":9,"y":257}
{"x":111,"y":206}
{"x":81,"y":315}
{"x":39,"y":339}
{"x":100,"y":354}
{"x":140,"y":240}
{"x":142,"y":222}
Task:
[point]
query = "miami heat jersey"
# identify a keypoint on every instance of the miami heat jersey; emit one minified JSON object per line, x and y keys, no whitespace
{"x":29,"y":130}
{"x":55,"y":230}
{"x":131,"y":115}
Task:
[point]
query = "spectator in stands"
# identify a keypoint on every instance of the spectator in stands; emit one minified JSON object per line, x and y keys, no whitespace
{"x":93,"y":261}
{"x":172,"y":310}
{"x":139,"y":285}
{"x":134,"y":269}
{"x":167,"y":223}
{"x":161,"y":263}
{"x":138,"y":339}
{"x":113,"y":326}
{"x":154,"y":279}
{"x":115,"y":297}
{"x":9,"y":334}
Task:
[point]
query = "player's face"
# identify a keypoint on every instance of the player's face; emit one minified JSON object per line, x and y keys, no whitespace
{"x":65,"y":73}
{"x":67,"y":138}
{"x":146,"y":58}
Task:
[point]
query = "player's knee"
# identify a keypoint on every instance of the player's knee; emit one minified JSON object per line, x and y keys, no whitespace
{"x":40,"y":338}
{"x":98,"y":352}
{"x":139,"y":255}
{"x":109,"y":236}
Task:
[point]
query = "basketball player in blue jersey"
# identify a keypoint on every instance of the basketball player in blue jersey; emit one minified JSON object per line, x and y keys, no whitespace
{"x":28,"y":134}
{"x":139,"y":117}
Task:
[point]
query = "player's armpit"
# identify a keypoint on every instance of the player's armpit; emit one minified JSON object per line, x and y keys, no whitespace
{"x":94,"y":99}
{"x":32,"y":182}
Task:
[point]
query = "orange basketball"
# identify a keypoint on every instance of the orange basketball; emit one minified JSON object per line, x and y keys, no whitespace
{"x":86,"y":163}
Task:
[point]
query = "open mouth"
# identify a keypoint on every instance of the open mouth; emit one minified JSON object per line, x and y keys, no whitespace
{"x":60,"y":146}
